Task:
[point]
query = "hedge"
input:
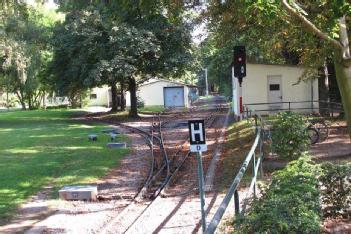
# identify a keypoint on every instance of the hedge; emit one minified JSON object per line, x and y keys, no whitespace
{"x":289,"y":205}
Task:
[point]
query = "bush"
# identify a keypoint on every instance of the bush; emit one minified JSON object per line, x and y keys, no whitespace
{"x":336,"y":190}
{"x":289,"y":205}
{"x":140,"y":102}
{"x":62,"y":106}
{"x":289,"y":138}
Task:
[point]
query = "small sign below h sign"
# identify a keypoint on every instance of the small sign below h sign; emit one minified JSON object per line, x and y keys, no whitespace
{"x":197,"y":136}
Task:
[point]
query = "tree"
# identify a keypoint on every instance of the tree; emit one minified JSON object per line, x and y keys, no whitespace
{"x":100,"y":53}
{"x":25,"y":41}
{"x":161,"y":18}
{"x":312,"y":30}
{"x":337,"y":12}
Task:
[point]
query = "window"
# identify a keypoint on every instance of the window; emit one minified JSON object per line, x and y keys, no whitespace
{"x":93,"y":96}
{"x":274,"y":87}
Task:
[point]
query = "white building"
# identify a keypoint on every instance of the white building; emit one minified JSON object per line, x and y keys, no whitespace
{"x":159,"y":92}
{"x":154,"y":92}
{"x":270,"y":88}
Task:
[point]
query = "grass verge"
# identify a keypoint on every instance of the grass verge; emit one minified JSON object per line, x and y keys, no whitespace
{"x":240,"y":137}
{"x":151,"y":109}
{"x":39,"y":148}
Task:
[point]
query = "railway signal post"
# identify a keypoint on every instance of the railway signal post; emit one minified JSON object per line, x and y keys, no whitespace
{"x":198,"y":145}
{"x":238,"y":71}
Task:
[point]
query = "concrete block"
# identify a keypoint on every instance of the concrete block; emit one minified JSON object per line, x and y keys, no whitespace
{"x":79,"y":192}
{"x":113,"y":136}
{"x":122,"y":145}
{"x":92,"y":137}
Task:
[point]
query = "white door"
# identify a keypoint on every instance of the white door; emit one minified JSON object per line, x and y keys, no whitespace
{"x":275,"y":93}
{"x":174,"y":96}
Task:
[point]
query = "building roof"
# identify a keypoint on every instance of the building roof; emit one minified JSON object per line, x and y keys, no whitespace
{"x":155,"y":80}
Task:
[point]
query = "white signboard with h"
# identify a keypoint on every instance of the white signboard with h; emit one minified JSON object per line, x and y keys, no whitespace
{"x":197,"y":136}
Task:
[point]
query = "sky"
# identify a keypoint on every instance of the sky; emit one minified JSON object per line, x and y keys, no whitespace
{"x":49,"y":3}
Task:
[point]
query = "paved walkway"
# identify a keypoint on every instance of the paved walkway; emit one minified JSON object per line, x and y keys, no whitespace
{"x":337,"y":146}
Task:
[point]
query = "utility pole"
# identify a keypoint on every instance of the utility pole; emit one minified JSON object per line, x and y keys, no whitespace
{"x":206,"y":81}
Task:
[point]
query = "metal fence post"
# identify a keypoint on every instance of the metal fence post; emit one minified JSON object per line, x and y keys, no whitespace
{"x":261,"y":154}
{"x":254,"y":174}
{"x":236,"y":202}
{"x":256,"y":123}
{"x":289,"y":107}
{"x":201,"y":189}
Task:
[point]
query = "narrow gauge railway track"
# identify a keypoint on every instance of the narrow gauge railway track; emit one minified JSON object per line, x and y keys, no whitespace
{"x":163,"y":170}
{"x":175,"y":162}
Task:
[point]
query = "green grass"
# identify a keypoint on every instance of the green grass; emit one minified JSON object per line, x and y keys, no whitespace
{"x":39,"y":148}
{"x":240,"y":137}
{"x":152,"y":109}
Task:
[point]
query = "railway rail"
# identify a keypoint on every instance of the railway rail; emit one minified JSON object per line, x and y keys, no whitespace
{"x":165,"y":163}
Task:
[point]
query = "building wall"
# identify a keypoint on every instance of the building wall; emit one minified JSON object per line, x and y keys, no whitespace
{"x":102,"y":96}
{"x":152,"y":94}
{"x":255,"y":86}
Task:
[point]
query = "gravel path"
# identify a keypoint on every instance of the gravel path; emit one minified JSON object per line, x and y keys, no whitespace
{"x":338,"y":145}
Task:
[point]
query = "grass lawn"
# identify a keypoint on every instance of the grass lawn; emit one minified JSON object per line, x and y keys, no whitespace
{"x":240,"y":137}
{"x":152,"y":109}
{"x":39,"y":148}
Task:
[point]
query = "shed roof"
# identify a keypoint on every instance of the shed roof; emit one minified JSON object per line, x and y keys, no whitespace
{"x":155,"y":80}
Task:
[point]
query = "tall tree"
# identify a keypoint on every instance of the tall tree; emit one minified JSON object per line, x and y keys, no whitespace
{"x":25,"y":41}
{"x":161,"y":18}
{"x":311,"y":29}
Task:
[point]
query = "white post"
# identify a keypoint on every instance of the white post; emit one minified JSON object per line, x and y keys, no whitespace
{"x":236,"y":95}
{"x":206,"y":81}
{"x":108,"y":98}
{"x":240,"y":100}
{"x":233,"y":90}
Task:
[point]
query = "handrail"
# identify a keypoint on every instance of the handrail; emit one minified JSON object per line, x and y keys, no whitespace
{"x":293,"y":102}
{"x":331,"y":108}
{"x":233,"y":188}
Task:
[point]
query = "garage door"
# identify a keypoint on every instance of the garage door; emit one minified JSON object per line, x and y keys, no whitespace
{"x":174,"y":96}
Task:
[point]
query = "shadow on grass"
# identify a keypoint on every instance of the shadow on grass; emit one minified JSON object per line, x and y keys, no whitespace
{"x":49,"y":149}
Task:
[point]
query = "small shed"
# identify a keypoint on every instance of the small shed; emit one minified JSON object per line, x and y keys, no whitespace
{"x":277,"y":87}
{"x":99,"y":96}
{"x":160,"y":92}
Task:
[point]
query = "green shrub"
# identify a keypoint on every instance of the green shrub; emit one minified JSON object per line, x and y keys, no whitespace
{"x":289,"y":138}
{"x":140,"y":102}
{"x":336,"y":190}
{"x":289,"y":205}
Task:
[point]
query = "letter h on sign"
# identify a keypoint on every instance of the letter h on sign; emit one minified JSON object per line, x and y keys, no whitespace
{"x":197,"y":135}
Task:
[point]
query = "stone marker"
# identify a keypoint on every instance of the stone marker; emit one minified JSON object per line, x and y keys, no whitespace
{"x":113,"y":136}
{"x":92,"y":137}
{"x":79,"y":192}
{"x":117,"y":145}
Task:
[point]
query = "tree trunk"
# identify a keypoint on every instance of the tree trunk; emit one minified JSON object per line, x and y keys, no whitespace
{"x":30,"y":103}
{"x":44,"y":100}
{"x":343,"y":72}
{"x":7,"y":100}
{"x":323,"y":86}
{"x":133,"y":98}
{"x":343,"y":77}
{"x":123,"y":101}
{"x":114,"y":106}
{"x":21,"y":99}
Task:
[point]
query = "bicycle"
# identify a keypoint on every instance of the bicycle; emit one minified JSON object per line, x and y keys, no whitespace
{"x":322,"y":127}
{"x":313,"y":133}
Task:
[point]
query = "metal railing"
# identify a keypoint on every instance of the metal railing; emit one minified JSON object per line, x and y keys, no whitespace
{"x":255,"y":156}
{"x":330,"y":107}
